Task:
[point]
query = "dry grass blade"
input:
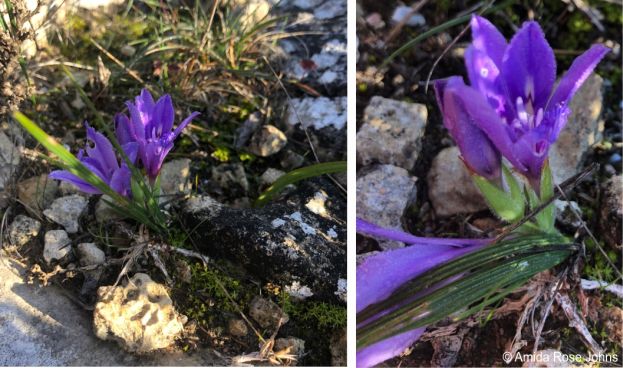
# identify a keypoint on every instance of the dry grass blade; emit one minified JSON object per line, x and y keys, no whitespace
{"x":577,"y":322}
{"x":112,"y":57}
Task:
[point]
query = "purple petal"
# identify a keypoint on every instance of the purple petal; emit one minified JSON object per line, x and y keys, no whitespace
{"x":120,"y":181}
{"x":138,"y":125}
{"x":387,"y":349}
{"x":145,"y":105}
{"x":476,"y":148}
{"x":102,"y":151}
{"x":368,"y":228}
{"x":123,"y":129}
{"x":483,"y":75}
{"x":573,"y":79}
{"x":485,"y":118}
{"x":183,"y":124}
{"x":163,"y":117}
{"x":529,"y":67}
{"x":131,"y":150}
{"x":73,"y":179}
{"x":531,"y":149}
{"x":487,"y":39}
{"x":380,"y":274}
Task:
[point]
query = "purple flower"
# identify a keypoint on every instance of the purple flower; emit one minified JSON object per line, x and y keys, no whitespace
{"x":381,"y":274}
{"x":149,"y":125}
{"x":102,"y":161}
{"x":477,"y":151}
{"x":512,"y":97}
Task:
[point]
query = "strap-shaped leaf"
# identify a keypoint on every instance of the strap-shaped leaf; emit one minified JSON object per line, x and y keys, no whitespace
{"x":487,"y":282}
{"x":298,"y":175}
{"x":521,"y":245}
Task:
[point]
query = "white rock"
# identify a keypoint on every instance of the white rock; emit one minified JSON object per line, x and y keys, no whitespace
{"x":175,"y":177}
{"x":57,"y":245}
{"x":66,"y":211}
{"x":270,"y":176}
{"x":330,"y":9}
{"x":402,"y":12}
{"x":298,"y":291}
{"x":391,"y":132}
{"x":23,"y":229}
{"x":139,"y":316}
{"x":342,"y":289}
{"x":9,"y":159}
{"x":267,"y":141}
{"x":89,"y":254}
{"x":450,"y":187}
{"x":582,"y":131}
{"x":307,"y":4}
{"x":318,"y":112}
{"x":383,"y":195}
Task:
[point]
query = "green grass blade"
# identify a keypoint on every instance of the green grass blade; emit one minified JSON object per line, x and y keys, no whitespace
{"x":298,"y":175}
{"x":438,"y":29}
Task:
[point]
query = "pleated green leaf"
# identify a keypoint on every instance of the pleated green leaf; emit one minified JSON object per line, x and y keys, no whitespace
{"x":472,"y":281}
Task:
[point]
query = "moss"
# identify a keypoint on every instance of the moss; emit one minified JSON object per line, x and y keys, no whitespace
{"x":314,"y":313}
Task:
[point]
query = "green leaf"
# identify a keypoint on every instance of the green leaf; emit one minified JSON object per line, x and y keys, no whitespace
{"x":485,"y":276}
{"x":521,"y":245}
{"x":298,"y":175}
{"x":547,"y":216}
{"x":509,"y":207}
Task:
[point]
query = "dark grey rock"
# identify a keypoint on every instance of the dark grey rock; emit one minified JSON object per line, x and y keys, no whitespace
{"x":280,"y":243}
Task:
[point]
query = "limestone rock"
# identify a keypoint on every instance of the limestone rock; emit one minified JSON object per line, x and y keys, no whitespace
{"x":391,"y":133}
{"x":612,"y":212}
{"x":231,"y":176}
{"x":582,"y":131}
{"x":267,"y":141}
{"x":238,"y":327}
{"x":89,"y":254}
{"x":57,"y":246}
{"x":37,"y":193}
{"x":270,"y":176}
{"x":383,"y":195}
{"x":140,"y":315}
{"x":267,"y":313}
{"x":9,"y":159}
{"x":66,"y":211}
{"x":318,"y":112}
{"x":450,"y":187}
{"x":175,"y":177}
{"x":22,"y":230}
{"x":294,"y":345}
